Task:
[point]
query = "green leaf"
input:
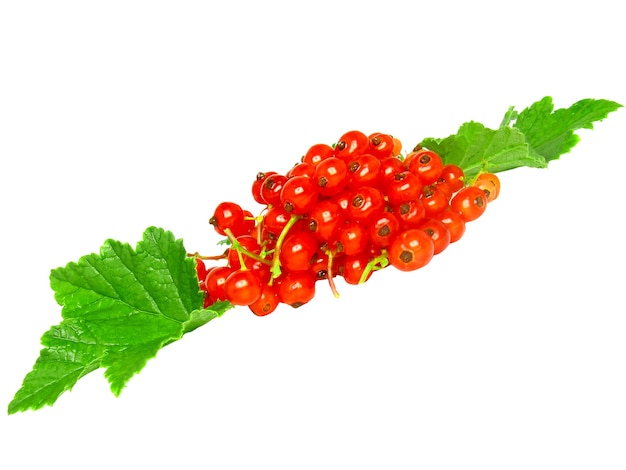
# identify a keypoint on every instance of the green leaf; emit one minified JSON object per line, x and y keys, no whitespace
{"x":197,"y":318}
{"x":551,"y":133}
{"x":119,"y":308}
{"x":476,"y":148}
{"x":531,"y":138}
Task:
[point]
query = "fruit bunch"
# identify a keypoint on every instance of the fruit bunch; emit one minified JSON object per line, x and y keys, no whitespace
{"x":344,"y":210}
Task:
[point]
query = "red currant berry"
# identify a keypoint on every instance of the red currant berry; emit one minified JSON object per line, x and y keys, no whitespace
{"x":331,"y":176}
{"x":454,"y":176}
{"x":350,"y":144}
{"x":381,"y":145}
{"x":266,"y":303}
{"x":438,"y":232}
{"x":299,"y":249}
{"x":299,"y":195}
{"x":383,"y":228}
{"x":242,"y":287}
{"x":215,"y":279}
{"x":343,"y":199}
{"x":271,"y":188}
{"x":257,"y":184}
{"x":363,"y":171}
{"x":296,"y":288}
{"x":410,"y":213}
{"x":320,"y":266}
{"x":200,"y":269}
{"x":325,"y":218}
{"x":228,"y":215}
{"x":404,"y":187}
{"x":454,"y":223}
{"x":352,"y":238}
{"x":411,"y":249}
{"x":490,"y":184}
{"x":389,"y":168}
{"x":365,"y":202}
{"x":274,"y":221}
{"x":427,"y":165}
{"x":434,"y":200}
{"x":317,"y":153}
{"x":397,"y":146}
{"x":470,"y":202}
{"x":301,"y":169}
{"x":353,"y":267}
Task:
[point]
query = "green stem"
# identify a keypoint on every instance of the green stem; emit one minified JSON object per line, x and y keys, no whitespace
{"x":380,"y":262}
{"x":279,"y":243}
{"x":241,"y":251}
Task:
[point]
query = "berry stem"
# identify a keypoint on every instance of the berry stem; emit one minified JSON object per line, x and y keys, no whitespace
{"x":279,"y":243}
{"x":331,"y":281}
{"x":209,"y":258}
{"x":237,"y":247}
{"x":375,"y":264}
{"x":242,"y":251}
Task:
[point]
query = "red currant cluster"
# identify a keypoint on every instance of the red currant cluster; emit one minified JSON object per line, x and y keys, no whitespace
{"x":346,"y":210}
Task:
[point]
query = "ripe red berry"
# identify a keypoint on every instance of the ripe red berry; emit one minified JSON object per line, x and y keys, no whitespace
{"x":228,"y":215}
{"x":301,"y":169}
{"x":215,"y":280}
{"x":364,"y":203}
{"x":258,"y":183}
{"x":325,"y":218}
{"x":352,"y":238}
{"x":274,"y":222}
{"x":454,"y":176}
{"x":200,"y":269}
{"x":317,"y":153}
{"x":271,"y":188}
{"x":242,"y":287}
{"x":266,"y":303}
{"x":470,"y":202}
{"x":411,"y":249}
{"x":434,"y":199}
{"x":331,"y":176}
{"x":381,"y":145}
{"x":389,"y":168}
{"x":298,"y":250}
{"x":299,"y":195}
{"x":410,"y":213}
{"x":490,"y":184}
{"x":404,"y":187}
{"x":353,"y":267}
{"x":350,"y":144}
{"x":383,"y":228}
{"x":363,"y":171}
{"x":439,"y":233}
{"x":427,"y":165}
{"x":454,"y":223}
{"x":296,"y":288}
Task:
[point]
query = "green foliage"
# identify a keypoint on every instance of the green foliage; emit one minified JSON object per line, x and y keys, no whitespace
{"x":551,"y":133}
{"x":530,"y":138}
{"x":119,"y":308}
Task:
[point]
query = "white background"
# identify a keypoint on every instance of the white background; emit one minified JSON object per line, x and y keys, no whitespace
{"x":506,"y":352}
